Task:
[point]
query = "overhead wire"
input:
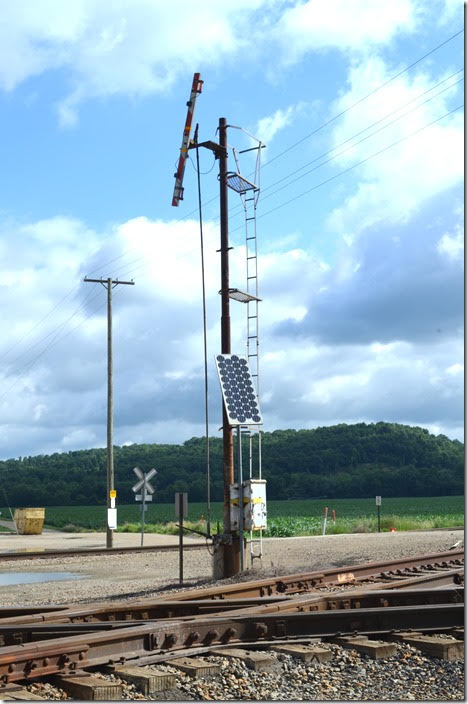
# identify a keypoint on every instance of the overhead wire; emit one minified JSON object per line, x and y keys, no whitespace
{"x":359,"y":163}
{"x":354,"y":144}
{"x":33,"y":361}
{"x":236,"y":210}
{"x":320,"y":127}
{"x":277,"y":156}
{"x":61,"y":325}
{"x":364,"y":97}
{"x":357,"y":134}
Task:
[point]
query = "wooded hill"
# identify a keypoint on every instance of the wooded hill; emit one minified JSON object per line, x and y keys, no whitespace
{"x":341,"y":461}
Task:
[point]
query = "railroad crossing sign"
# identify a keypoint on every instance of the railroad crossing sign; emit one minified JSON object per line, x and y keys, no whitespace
{"x":143,"y":484}
{"x":147,"y":489}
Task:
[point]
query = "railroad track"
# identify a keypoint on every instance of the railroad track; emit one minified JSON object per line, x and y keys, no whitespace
{"x":420,"y":595}
{"x":86,"y":552}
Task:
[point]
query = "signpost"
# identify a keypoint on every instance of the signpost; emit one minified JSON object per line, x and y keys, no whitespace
{"x":181,"y":512}
{"x":147,"y":491}
{"x":325,"y":516}
{"x":378,"y":503}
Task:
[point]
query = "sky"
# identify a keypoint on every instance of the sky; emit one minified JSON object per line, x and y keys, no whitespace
{"x":359,"y":214}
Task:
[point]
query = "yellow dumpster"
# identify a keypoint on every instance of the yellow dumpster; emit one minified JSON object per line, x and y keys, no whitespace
{"x":29,"y":521}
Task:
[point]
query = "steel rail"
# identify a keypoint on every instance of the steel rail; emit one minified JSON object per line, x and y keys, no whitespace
{"x":303,"y":582}
{"x":357,"y":599}
{"x":84,"y":552}
{"x":132,"y":643}
{"x":259,"y":589}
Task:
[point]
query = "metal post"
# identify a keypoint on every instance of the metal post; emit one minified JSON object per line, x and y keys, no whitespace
{"x":378,"y":518}
{"x":110,"y":409}
{"x":181,"y":538}
{"x":241,"y":498}
{"x":231,"y":551}
{"x":143,"y":504}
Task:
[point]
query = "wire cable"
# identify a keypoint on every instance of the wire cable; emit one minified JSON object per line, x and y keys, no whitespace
{"x":274,"y":158}
{"x":320,"y":127}
{"x":359,"y":163}
{"x":368,"y":95}
{"x":205,"y":348}
{"x":355,"y":144}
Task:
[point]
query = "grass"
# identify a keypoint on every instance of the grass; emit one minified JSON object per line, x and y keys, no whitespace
{"x":285,"y":518}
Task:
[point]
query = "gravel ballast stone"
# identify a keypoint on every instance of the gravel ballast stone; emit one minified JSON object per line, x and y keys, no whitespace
{"x":349,"y":675}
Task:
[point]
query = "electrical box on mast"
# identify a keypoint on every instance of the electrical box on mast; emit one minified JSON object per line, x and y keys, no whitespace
{"x":179,"y":174}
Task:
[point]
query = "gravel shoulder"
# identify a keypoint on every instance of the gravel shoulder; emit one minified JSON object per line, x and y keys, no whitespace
{"x":143,"y":574}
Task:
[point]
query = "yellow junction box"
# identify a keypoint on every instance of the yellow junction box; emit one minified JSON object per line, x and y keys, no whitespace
{"x":29,"y":521}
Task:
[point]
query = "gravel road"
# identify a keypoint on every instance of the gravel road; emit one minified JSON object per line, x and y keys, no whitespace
{"x":127,"y":575}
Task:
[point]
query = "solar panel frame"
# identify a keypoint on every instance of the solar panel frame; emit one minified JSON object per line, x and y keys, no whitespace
{"x":238,"y":391}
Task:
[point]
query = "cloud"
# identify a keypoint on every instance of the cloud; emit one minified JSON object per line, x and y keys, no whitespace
{"x":452,"y":245}
{"x":267,"y":127}
{"x":394,"y":283}
{"x":315,"y":371}
{"x":117,"y":48}
{"x":396,"y":182}
{"x":141,"y":48}
{"x":353,"y":25}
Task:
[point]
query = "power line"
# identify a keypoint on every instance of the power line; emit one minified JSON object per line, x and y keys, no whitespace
{"x":359,"y":163}
{"x":317,"y":129}
{"x":236,"y":210}
{"x":292,"y":146}
{"x":20,"y":372}
{"x":63,"y":324}
{"x":355,"y":144}
{"x":368,"y":95}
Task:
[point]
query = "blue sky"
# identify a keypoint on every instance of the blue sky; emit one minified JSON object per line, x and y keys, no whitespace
{"x":360,"y":215}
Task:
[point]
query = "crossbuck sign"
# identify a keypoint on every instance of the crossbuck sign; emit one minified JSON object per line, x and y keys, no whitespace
{"x":143,"y":484}
{"x":147,"y":490}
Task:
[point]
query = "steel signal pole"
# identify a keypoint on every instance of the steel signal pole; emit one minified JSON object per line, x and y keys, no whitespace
{"x":232,"y":549}
{"x":109,"y":284}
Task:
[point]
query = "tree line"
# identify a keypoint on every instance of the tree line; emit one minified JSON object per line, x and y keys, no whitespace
{"x":340,"y":461}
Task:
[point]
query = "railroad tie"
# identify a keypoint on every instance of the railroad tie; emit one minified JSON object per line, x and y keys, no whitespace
{"x":146,"y":679}
{"x":195,"y":667}
{"x":437,"y":646}
{"x":89,"y":688}
{"x":21,"y":695}
{"x":254,"y":660}
{"x":458,"y":633}
{"x":374,"y":648}
{"x":306,"y":653}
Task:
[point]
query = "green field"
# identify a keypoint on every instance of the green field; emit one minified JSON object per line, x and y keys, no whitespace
{"x":285,"y":518}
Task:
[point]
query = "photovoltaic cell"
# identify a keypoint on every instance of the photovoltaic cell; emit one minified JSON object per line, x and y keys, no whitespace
{"x":240,"y":400}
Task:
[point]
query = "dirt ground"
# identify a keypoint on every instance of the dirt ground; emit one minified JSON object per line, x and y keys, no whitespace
{"x":143,"y":574}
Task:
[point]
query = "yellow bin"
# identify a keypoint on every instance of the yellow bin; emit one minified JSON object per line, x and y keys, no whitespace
{"x":29,"y":521}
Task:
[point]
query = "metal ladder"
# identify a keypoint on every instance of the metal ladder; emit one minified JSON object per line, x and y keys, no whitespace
{"x":249,"y":200}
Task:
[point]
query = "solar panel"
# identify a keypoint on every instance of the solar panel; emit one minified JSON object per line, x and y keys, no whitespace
{"x":240,"y":399}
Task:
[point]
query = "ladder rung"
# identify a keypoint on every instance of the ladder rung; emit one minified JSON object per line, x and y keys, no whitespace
{"x":252,"y":257}
{"x":250,"y":238}
{"x":252,"y":316}
{"x":252,"y":337}
{"x":251,"y":277}
{"x":250,"y":218}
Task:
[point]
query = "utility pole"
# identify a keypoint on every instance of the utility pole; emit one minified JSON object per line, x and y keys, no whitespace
{"x":232,"y":549}
{"x":231,"y":542}
{"x":109,"y":284}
